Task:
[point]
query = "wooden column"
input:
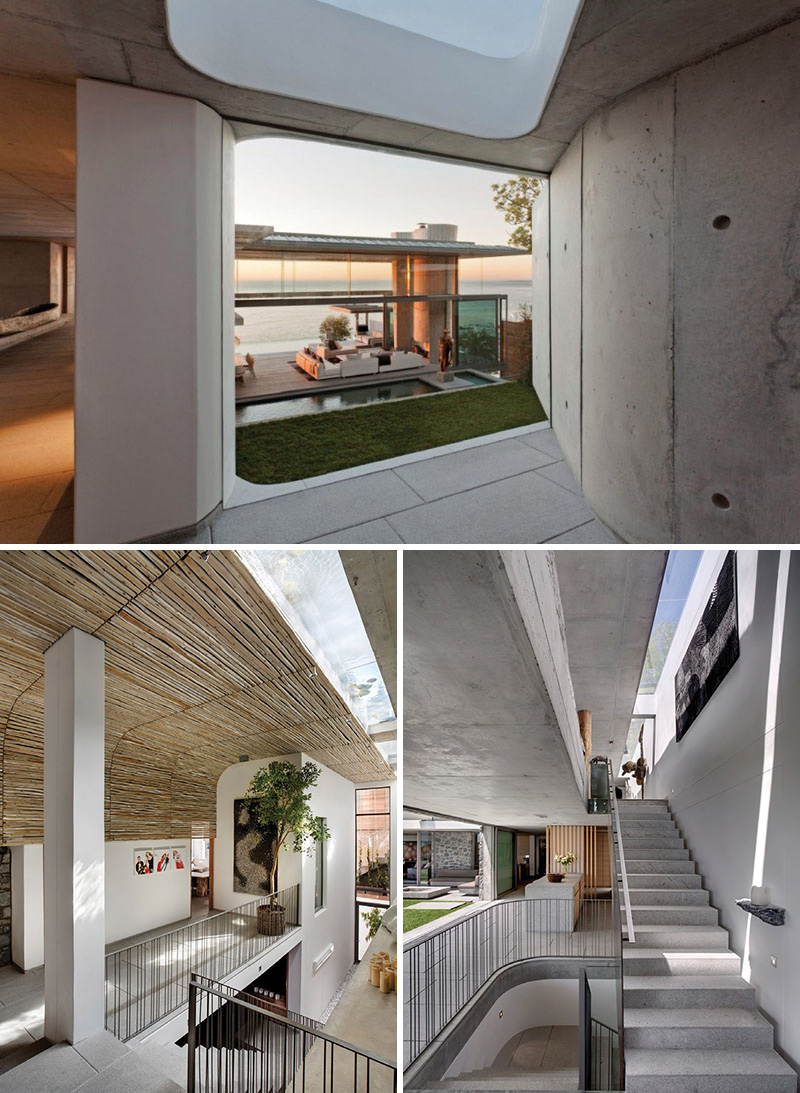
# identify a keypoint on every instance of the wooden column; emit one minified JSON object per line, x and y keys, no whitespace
{"x":585,"y":724}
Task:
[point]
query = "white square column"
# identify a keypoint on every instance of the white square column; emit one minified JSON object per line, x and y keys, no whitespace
{"x":74,"y":837}
{"x":154,"y":335}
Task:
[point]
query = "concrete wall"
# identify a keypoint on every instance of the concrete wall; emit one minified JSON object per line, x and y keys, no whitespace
{"x":674,"y":341}
{"x":733,"y":781}
{"x":155,"y":326}
{"x":334,"y":798}
{"x":27,"y":906}
{"x":137,"y":903}
{"x":29,"y":274}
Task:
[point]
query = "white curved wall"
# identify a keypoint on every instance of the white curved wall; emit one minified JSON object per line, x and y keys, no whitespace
{"x":674,"y":367}
{"x":318,"y":52}
{"x":529,"y":1005}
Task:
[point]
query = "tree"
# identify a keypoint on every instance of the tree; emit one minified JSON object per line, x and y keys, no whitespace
{"x":334,"y":328}
{"x":515,"y":199}
{"x":278,"y":798}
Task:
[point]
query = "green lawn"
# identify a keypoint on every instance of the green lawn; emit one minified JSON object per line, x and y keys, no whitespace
{"x":415,"y":914}
{"x":301,"y":447}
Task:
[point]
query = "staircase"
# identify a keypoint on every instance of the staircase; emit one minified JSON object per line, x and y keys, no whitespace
{"x":691,"y":1025}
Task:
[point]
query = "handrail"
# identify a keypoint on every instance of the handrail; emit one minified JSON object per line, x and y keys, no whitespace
{"x":301,"y":1026}
{"x":246,"y":1047}
{"x":147,"y":981}
{"x":612,"y":807}
{"x":445,"y":969}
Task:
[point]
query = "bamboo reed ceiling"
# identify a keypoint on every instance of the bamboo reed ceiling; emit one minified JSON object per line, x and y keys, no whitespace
{"x":200,"y":669}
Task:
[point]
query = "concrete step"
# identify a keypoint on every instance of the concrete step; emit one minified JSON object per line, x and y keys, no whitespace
{"x":660,"y":865}
{"x":664,"y":880}
{"x":654,"y":853}
{"x":655,"y":826}
{"x":681,"y":938}
{"x":654,"y":842}
{"x":668,"y":897}
{"x":641,"y":961}
{"x":719,"y":1029}
{"x":541,"y":1081}
{"x":168,"y":1059}
{"x":708,"y":1072}
{"x":687,"y":991}
{"x":656,"y":802}
{"x":646,"y":915}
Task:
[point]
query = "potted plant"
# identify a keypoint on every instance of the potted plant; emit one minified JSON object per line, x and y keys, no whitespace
{"x":278,"y":797}
{"x":334,"y":328}
{"x":563,"y":860}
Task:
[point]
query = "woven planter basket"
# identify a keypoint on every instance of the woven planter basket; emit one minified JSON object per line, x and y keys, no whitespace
{"x":271,"y":920}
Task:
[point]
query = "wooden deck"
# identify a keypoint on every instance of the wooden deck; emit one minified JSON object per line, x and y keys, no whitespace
{"x":36,"y":438}
{"x":277,"y":375}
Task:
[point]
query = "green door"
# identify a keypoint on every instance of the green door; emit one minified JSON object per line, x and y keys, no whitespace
{"x":505,"y":862}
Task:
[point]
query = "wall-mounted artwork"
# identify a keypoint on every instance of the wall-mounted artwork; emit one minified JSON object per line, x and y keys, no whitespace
{"x":163,"y":858}
{"x":252,"y":853}
{"x":144,"y":861}
{"x":712,"y":652}
{"x":180,"y":856}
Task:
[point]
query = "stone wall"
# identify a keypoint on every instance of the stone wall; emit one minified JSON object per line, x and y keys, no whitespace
{"x":518,"y":341}
{"x":5,"y":905}
{"x":454,"y":850}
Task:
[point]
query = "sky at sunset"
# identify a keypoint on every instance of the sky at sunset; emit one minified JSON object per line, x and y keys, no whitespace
{"x":305,"y":186}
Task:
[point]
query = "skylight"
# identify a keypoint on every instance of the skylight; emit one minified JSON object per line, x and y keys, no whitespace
{"x":310,"y":588}
{"x":457,"y":65}
{"x":468,"y":24}
{"x":678,"y":576}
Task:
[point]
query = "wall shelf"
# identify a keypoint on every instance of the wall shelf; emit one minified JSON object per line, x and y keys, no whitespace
{"x":769,"y":913}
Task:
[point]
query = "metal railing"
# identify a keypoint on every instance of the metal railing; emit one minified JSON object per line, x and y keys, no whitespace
{"x":235,"y":1046}
{"x":621,"y":871}
{"x":148,"y":981}
{"x":445,"y":969}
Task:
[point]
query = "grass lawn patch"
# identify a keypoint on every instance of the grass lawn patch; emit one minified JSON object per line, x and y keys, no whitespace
{"x":302,"y":447}
{"x":420,"y":916}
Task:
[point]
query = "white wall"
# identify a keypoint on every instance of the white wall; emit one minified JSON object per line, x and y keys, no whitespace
{"x":27,"y":906}
{"x":334,"y":798}
{"x":733,"y":781}
{"x":136,"y":903}
{"x":672,"y":340}
{"x":155,"y":327}
{"x":542,"y":1002}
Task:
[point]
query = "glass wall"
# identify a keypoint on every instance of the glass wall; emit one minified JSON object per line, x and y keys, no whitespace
{"x":477,"y":334}
{"x":506,"y":879}
{"x":373,"y":843}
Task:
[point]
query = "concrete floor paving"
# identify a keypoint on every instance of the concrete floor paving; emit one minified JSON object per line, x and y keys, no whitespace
{"x":505,"y":488}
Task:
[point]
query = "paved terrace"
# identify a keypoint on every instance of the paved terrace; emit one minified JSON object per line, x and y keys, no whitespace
{"x":511,"y":487}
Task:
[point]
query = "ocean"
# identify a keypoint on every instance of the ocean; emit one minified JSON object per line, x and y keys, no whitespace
{"x":279,"y":329}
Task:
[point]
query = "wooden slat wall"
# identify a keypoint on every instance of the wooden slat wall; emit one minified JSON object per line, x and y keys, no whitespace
{"x":589,"y":844}
{"x":200,"y":669}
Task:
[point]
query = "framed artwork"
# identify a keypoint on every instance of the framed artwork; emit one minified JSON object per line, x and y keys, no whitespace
{"x":712,"y":652}
{"x":252,"y":853}
{"x":143,"y":861}
{"x":180,"y":856}
{"x":163,"y":859}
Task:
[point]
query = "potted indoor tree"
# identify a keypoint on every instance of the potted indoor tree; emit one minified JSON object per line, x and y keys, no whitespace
{"x":278,"y":799}
{"x":334,"y":328}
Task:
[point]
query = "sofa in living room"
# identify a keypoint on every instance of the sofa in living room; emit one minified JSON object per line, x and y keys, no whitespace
{"x":352,"y":364}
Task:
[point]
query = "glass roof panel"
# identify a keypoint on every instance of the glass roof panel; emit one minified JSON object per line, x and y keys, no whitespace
{"x":468,"y":24}
{"x":678,"y":576}
{"x":314,"y":587}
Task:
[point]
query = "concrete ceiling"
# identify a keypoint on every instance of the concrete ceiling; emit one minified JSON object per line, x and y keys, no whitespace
{"x":618,"y":45}
{"x":372,"y":575}
{"x":609,"y":599}
{"x":480,"y":740}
